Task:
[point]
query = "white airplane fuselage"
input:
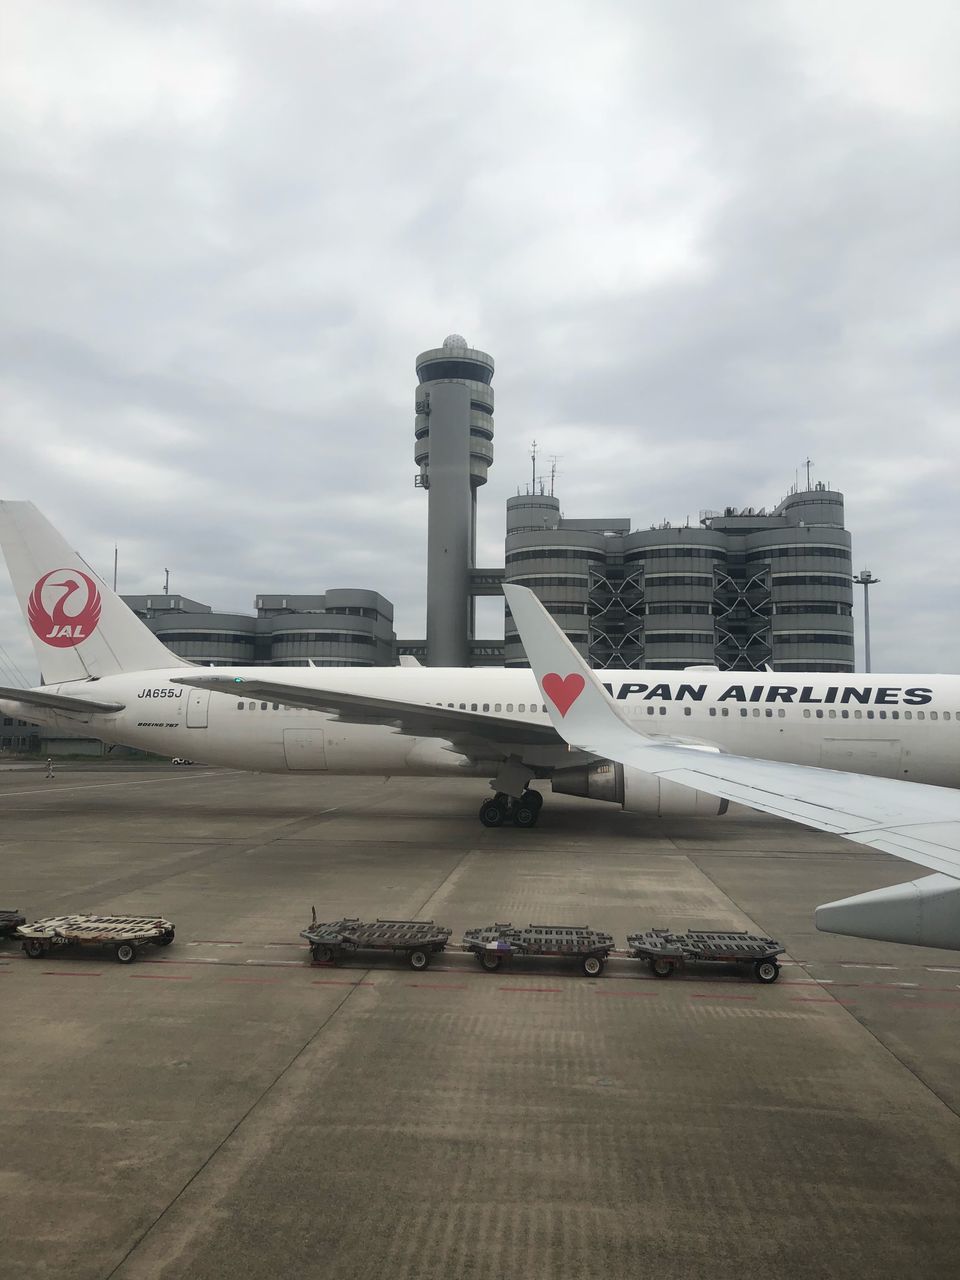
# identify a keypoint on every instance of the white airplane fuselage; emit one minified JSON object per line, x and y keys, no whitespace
{"x":897,"y":726}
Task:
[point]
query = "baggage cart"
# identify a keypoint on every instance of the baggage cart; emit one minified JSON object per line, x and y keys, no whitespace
{"x":417,"y":940}
{"x":125,"y":934}
{"x":494,"y":943}
{"x":10,"y":921}
{"x":666,"y":952}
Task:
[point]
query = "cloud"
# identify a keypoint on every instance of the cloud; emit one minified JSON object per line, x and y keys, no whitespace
{"x":701,"y":243}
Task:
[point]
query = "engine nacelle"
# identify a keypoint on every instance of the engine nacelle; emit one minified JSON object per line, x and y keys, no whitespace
{"x":922,"y":913}
{"x":636,"y":791}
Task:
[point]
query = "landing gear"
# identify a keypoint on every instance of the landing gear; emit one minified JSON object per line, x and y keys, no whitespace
{"x":522,"y":812}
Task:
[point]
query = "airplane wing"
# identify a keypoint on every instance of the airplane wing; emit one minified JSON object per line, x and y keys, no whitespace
{"x":468,"y":730}
{"x":57,"y":701}
{"x":910,"y":820}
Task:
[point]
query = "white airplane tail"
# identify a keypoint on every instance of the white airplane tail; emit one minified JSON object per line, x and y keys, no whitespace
{"x":79,"y":627}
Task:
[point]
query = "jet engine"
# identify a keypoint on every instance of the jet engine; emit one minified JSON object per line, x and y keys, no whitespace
{"x":636,"y":791}
{"x":923,"y":913}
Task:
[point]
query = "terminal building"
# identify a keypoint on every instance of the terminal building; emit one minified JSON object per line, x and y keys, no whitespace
{"x":740,"y":591}
{"x":339,"y":628}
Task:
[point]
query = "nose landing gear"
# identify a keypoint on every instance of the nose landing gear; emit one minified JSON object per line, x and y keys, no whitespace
{"x":522,"y":811}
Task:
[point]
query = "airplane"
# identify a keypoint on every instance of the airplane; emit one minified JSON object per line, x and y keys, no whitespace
{"x":912,"y":820}
{"x":106,"y":675}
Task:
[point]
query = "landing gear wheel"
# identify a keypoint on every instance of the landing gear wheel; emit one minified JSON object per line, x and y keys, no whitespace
{"x":492,"y":813}
{"x":125,"y":952}
{"x":418,"y":959}
{"x":662,"y":968}
{"x":533,"y":797}
{"x":33,"y":947}
{"x":490,"y":961}
{"x":766,"y":971}
{"x":322,"y":954}
{"x":592,"y":966}
{"x":525,"y":814}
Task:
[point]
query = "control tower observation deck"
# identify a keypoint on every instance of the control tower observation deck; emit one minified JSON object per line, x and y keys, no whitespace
{"x":453,"y":449}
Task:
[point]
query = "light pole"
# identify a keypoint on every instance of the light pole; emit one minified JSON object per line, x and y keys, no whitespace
{"x":866,"y":580}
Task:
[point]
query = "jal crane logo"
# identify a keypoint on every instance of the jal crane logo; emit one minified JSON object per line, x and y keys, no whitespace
{"x":64,"y":627}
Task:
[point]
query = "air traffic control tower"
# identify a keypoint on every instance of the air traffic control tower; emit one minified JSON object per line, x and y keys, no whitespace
{"x":454,"y":448}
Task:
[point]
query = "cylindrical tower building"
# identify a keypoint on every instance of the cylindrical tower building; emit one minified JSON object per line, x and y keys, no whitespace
{"x":453,"y":449}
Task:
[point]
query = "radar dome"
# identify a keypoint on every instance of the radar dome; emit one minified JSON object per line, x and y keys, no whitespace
{"x":454,"y":342}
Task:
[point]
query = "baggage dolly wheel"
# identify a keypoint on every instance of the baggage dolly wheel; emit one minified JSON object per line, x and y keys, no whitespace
{"x":660,"y":967}
{"x":490,"y":961}
{"x":125,"y":952}
{"x":322,"y":954}
{"x":766,"y":971}
{"x":418,"y":959}
{"x":33,"y":947}
{"x":592,"y":966}
{"x":165,"y":939}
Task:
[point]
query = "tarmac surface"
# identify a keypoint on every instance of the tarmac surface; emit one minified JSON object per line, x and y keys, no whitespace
{"x":223,"y":1107}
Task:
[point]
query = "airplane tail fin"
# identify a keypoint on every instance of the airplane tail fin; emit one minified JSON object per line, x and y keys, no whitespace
{"x":78,"y":626}
{"x":580,"y":708}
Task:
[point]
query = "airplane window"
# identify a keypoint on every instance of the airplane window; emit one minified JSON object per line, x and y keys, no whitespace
{"x":769,"y":711}
{"x":473,"y":706}
{"x":946,"y":715}
{"x":253,"y":706}
{"x":894,"y":715}
{"x":858,"y":715}
{"x":908,"y":715}
{"x":780,"y":712}
{"x":806,"y":713}
{"x":509,"y":706}
{"x":744,"y":712}
{"x":921,"y":715}
{"x":534,"y":709}
{"x":933,"y":715}
{"x":239,"y":706}
{"x":725,"y":711}
{"x":276,"y":706}
{"x":819,"y":714}
{"x":463,"y":706}
{"x":869,"y":715}
{"x":713,"y":711}
{"x":686,"y":711}
{"x":844,"y":715}
{"x":521,"y":706}
{"x":756,"y":711}
{"x":650,"y":711}
{"x":663,"y":711}
{"x":263,"y":706}
{"x":497,"y":706}
{"x":486,"y":706}
{"x":832,"y":714}
{"x":883,"y":715}
{"x":544,"y":708}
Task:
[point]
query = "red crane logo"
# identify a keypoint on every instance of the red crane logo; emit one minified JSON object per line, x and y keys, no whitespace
{"x":58,"y":627}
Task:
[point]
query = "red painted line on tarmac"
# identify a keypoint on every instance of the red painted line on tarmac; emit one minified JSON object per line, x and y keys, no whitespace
{"x":67,"y":973}
{"x":925,"y":1004}
{"x":339,"y":982}
{"x":816,"y":1000}
{"x":521,"y":990}
{"x":265,"y":981}
{"x":163,"y":977}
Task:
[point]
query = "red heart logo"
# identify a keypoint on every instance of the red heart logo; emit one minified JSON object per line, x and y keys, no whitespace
{"x":563,"y":691}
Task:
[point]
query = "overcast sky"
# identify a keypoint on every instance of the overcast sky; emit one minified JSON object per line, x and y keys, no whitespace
{"x":702,"y":241}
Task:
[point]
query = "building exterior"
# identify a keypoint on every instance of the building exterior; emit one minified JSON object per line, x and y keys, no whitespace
{"x":741,"y":590}
{"x":339,"y":628}
{"x":18,"y":735}
{"x":454,"y":450}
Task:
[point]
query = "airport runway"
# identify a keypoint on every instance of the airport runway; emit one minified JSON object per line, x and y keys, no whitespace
{"x":225,"y":1108}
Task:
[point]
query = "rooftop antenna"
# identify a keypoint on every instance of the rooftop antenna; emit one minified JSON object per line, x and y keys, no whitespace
{"x":553,"y":472}
{"x":808,"y":464}
{"x":166,"y":582}
{"x":116,"y":552}
{"x":533,"y":463}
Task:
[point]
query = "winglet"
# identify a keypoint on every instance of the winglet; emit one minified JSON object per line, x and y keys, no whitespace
{"x":579,"y":705}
